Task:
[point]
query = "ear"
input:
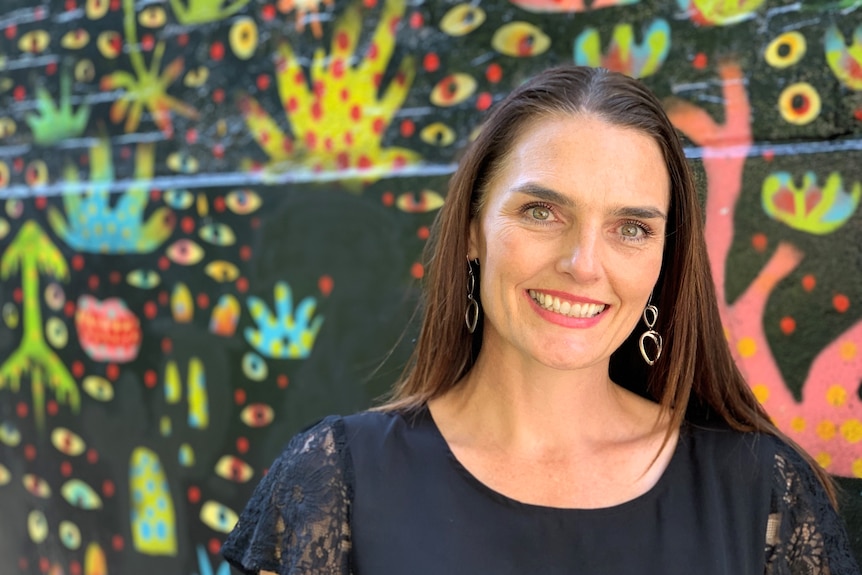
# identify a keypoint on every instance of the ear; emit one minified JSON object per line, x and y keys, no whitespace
{"x":473,"y":241}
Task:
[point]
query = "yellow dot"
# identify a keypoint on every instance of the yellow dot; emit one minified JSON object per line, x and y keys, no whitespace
{"x":761,"y":392}
{"x":823,"y":459}
{"x":797,"y":424}
{"x":857,"y":468}
{"x":836,"y":395}
{"x":746,"y":347}
{"x":847,"y":350}
{"x":826,"y":429}
{"x":852,"y":430}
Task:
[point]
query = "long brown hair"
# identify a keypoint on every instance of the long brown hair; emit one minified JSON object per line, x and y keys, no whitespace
{"x":696,"y":377}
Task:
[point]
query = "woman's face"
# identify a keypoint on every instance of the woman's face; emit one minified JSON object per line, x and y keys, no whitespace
{"x":570,"y":239}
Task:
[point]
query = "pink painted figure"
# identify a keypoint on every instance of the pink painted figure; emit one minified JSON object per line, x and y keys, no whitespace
{"x":827,"y":422}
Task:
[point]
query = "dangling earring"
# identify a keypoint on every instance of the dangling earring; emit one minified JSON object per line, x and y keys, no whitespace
{"x":471,"y":316}
{"x":650,"y":317}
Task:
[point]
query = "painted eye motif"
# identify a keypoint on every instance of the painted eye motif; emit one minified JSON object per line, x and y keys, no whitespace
{"x":4,"y":175}
{"x":462,"y":19}
{"x":70,"y":535}
{"x":55,"y":297}
{"x":243,"y":38}
{"x":98,"y":388}
{"x":243,"y":202}
{"x":67,"y":441}
{"x":10,"y":315}
{"x":217,"y":234}
{"x":257,"y":415}
{"x":14,"y":208}
{"x":75,"y":39}
{"x":85,"y":71}
{"x":81,"y":495}
{"x":9,"y":434}
{"x":178,"y":199}
{"x":182,"y":163}
{"x":34,"y":42}
{"x":424,"y":201}
{"x":453,"y":89}
{"x":786,"y":50}
{"x":5,"y":475}
{"x":7,"y":127}
{"x":152,"y":17}
{"x":185,"y":252}
{"x":37,"y":526}
{"x":222,"y":271}
{"x":254,"y":367}
{"x":196,"y":77}
{"x":95,"y":9}
{"x":36,"y":486}
{"x":143,"y":279}
{"x":799,"y":104}
{"x":218,"y":517}
{"x":233,"y":469}
{"x":36,"y":173}
{"x":110,"y":44}
{"x":520,"y":40}
{"x":57,"y":333}
{"x":437,"y":134}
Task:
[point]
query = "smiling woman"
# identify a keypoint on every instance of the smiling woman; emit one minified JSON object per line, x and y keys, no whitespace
{"x":552,"y":432}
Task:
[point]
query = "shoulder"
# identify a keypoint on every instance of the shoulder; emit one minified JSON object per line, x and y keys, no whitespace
{"x":321,"y":442}
{"x":741,"y":454}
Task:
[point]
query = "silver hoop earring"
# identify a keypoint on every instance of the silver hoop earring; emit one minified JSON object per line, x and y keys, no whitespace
{"x":650,"y":316}
{"x":471,"y":315}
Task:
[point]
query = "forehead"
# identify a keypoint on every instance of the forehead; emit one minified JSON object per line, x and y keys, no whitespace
{"x":585,"y":157}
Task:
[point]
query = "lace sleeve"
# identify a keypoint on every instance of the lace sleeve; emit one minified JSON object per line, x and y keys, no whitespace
{"x":297,"y":520}
{"x":804,"y":533}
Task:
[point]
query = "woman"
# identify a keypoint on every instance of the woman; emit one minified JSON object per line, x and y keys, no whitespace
{"x":548,"y":429}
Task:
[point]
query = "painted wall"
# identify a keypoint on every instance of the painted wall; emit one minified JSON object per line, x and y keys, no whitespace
{"x":213,"y":213}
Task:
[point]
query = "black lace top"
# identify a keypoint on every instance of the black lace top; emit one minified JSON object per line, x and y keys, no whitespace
{"x":381,"y":494}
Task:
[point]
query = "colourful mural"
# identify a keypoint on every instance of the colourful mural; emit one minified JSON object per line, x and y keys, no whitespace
{"x":213,"y":215}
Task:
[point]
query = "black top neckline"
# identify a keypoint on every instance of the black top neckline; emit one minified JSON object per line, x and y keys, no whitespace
{"x":674,"y":466}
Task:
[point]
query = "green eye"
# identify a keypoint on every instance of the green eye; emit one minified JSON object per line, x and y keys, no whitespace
{"x":254,"y":367}
{"x":10,"y":315}
{"x":218,"y":517}
{"x":98,"y":388}
{"x":540,"y":213}
{"x":178,"y":199}
{"x":9,"y":434}
{"x":37,"y":526}
{"x":57,"y":333}
{"x":217,"y":234}
{"x":80,"y":495}
{"x":143,"y":279}
{"x":70,"y":535}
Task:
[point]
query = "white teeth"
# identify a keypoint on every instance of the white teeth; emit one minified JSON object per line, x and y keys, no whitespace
{"x":566,"y":308}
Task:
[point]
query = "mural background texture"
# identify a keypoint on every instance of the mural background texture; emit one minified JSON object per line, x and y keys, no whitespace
{"x":212,"y":214}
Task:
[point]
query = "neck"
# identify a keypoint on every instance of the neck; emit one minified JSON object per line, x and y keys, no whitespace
{"x":523,"y":407}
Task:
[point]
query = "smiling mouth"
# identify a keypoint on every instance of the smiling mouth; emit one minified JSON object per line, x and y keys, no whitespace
{"x":568,"y":309}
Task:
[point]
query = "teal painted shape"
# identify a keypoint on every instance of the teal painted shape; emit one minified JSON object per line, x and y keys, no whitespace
{"x":285,"y":334}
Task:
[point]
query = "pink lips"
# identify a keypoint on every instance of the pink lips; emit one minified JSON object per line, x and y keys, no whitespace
{"x":565,"y":321}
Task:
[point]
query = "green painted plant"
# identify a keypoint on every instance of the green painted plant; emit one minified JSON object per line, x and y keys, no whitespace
{"x":204,"y":11}
{"x":147,"y":87}
{"x":57,"y":121}
{"x":33,"y":253}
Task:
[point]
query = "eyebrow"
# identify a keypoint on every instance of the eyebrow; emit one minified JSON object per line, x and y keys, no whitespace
{"x":546,"y":194}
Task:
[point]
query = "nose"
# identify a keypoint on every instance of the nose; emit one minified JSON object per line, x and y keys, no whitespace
{"x":580,"y":255}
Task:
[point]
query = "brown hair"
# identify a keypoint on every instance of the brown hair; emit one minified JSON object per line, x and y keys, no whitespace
{"x":696,"y":369}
